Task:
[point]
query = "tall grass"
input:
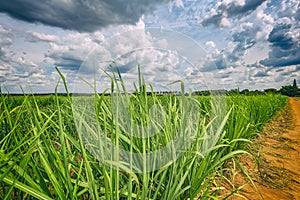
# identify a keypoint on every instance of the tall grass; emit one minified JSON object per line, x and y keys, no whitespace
{"x":46,"y":148}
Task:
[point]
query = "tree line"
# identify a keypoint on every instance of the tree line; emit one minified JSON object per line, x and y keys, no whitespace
{"x":288,"y":90}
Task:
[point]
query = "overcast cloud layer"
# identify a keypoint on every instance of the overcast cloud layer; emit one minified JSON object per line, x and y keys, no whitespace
{"x":79,"y":15}
{"x":248,"y":43}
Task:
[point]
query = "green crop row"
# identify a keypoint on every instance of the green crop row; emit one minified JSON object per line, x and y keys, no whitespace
{"x":84,"y":148}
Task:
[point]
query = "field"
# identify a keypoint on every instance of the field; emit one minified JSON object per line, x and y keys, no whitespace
{"x":51,"y":149}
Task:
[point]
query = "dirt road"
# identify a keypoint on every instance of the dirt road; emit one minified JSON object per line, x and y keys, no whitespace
{"x":278,"y":175}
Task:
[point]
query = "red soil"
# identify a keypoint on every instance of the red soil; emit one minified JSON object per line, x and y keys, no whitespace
{"x":278,"y":174}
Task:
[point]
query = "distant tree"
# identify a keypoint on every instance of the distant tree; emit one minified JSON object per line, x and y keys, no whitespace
{"x":290,"y":90}
{"x":234,"y":91}
{"x":257,"y":92}
{"x":203,"y":93}
{"x":295,"y":84}
{"x":245,"y":92}
{"x":271,"y":90}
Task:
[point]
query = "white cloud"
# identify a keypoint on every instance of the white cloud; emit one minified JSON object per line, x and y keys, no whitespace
{"x":38,"y":37}
{"x":179,"y":3}
{"x":5,"y":43}
{"x":243,"y":35}
{"x":80,"y":51}
{"x":225,"y":23}
{"x":210,"y":44}
{"x":15,"y":67}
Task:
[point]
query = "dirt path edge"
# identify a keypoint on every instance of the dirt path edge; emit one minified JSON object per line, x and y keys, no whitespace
{"x":277,"y":174}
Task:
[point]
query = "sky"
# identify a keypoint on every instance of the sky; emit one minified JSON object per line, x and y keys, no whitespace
{"x":225,"y":44}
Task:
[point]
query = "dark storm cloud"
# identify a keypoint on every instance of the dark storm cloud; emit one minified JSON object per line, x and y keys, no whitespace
{"x":80,"y":15}
{"x":230,"y":10}
{"x":223,"y":75}
{"x":68,"y":63}
{"x":244,"y":40}
{"x":216,"y":63}
{"x":285,"y":47}
{"x":2,"y":53}
{"x":255,"y":65}
{"x":297,"y":15}
{"x":278,"y":37}
{"x":279,"y":70}
{"x":122,"y":69}
{"x":261,"y":74}
{"x":214,"y":19}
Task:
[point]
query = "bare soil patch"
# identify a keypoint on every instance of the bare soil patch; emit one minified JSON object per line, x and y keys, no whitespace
{"x":276,"y":167}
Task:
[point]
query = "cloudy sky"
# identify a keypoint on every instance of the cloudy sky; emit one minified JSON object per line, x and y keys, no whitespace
{"x":214,"y":44}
